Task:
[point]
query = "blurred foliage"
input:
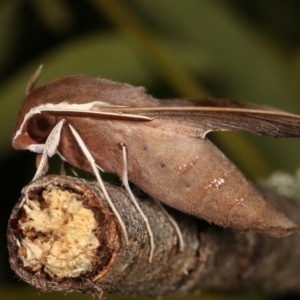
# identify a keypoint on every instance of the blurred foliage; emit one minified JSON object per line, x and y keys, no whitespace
{"x":239,"y":50}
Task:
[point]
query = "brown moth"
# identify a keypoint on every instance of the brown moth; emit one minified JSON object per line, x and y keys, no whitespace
{"x":94,"y":123}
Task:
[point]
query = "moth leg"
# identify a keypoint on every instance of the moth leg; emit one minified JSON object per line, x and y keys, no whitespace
{"x":175,"y":226}
{"x":91,"y":160}
{"x":128,"y":189}
{"x":94,"y":295}
{"x":50,"y":148}
{"x":38,"y":159}
{"x":74,"y":172}
{"x":63,"y":169}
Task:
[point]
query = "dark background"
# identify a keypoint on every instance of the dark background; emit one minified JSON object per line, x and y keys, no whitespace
{"x":239,"y":50}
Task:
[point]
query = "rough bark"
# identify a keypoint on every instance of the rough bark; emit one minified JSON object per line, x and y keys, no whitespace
{"x":213,"y":257}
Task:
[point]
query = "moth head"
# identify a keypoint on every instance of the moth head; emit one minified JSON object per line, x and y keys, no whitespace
{"x":34,"y":132}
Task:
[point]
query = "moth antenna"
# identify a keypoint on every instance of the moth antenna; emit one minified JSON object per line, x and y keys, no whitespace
{"x":174,"y":224}
{"x":50,"y":148}
{"x":128,"y":189}
{"x":33,"y":79}
{"x":91,"y":160}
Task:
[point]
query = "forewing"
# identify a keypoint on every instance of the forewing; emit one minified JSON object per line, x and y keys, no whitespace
{"x":198,"y":117}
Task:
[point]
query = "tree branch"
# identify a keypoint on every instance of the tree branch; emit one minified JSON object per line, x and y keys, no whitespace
{"x":65,"y":238}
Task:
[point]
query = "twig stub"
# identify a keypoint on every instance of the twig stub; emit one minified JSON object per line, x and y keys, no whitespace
{"x":63,"y":232}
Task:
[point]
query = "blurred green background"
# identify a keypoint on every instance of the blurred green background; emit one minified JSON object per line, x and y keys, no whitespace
{"x":239,"y":50}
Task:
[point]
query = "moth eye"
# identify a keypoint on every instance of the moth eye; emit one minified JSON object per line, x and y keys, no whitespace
{"x":40,"y":126}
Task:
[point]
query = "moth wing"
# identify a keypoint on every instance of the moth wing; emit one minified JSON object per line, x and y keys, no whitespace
{"x":198,"y":117}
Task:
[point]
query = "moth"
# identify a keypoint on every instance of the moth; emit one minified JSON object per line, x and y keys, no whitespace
{"x":159,"y":145}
